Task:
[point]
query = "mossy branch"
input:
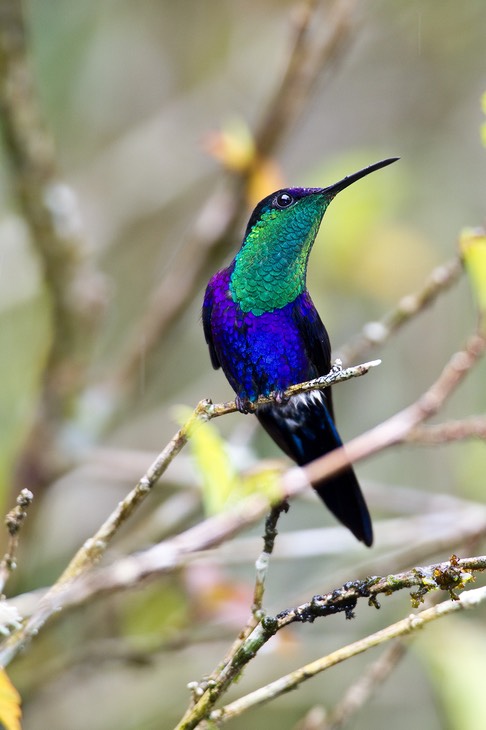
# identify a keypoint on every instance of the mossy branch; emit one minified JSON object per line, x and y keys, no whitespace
{"x":450,"y":576}
{"x":403,"y":628}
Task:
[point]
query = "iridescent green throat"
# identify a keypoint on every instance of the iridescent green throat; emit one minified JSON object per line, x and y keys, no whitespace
{"x":270,"y":268}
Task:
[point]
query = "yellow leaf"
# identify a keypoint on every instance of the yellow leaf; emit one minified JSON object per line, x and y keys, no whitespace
{"x":472,"y":244}
{"x":219,"y":479}
{"x":10,"y":713}
{"x":264,"y":478}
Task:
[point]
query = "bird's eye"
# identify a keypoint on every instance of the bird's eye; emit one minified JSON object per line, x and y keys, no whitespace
{"x":283,"y":200}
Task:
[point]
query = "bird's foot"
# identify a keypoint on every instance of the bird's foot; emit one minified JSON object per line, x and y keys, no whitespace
{"x":337,"y":366}
{"x":279,"y":397}
{"x":243,"y":404}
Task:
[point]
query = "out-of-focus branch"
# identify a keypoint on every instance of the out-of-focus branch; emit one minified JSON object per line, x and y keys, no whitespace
{"x":216,"y":226}
{"x":361,"y":691}
{"x":396,"y":429}
{"x":466,"y":428}
{"x":49,"y":209}
{"x":309,"y":60}
{"x":405,"y":627}
{"x":376,"y":333}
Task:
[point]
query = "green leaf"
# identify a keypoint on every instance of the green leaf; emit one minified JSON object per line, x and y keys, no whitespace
{"x":9,"y":703}
{"x":472,"y":244}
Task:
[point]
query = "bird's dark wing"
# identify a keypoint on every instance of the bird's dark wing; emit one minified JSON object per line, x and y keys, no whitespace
{"x":314,"y":335}
{"x":206,"y":320}
{"x":315,"y":340}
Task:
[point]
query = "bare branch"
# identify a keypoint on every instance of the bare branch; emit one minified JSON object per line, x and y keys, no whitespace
{"x":467,"y":428}
{"x":360,"y":692}
{"x":376,"y":333}
{"x":396,"y":429}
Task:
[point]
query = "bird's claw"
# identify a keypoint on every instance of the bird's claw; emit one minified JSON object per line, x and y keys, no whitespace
{"x":242,"y":404}
{"x":337,"y":366}
{"x":279,"y":397}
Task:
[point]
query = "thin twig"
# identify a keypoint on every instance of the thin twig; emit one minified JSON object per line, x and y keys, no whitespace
{"x":262,"y":562}
{"x":396,"y":429}
{"x":14,"y":521}
{"x":261,"y":566}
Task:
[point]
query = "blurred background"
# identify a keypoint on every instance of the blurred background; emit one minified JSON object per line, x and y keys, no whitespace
{"x":152,"y":107}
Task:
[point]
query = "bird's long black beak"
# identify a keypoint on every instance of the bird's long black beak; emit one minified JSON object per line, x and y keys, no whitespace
{"x":336,"y":188}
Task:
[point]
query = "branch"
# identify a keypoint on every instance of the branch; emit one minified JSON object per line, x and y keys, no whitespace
{"x":376,"y":333}
{"x":362,"y":690}
{"x":474,"y":427}
{"x":308,"y":60}
{"x":210,"y":533}
{"x":409,"y":625}
{"x":263,"y":560}
{"x":395,"y":430}
{"x":450,"y":576}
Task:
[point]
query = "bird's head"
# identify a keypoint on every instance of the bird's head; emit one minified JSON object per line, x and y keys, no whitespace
{"x":270,"y":268}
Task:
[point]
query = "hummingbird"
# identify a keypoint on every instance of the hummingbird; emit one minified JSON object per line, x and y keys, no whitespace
{"x":264,"y":331}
